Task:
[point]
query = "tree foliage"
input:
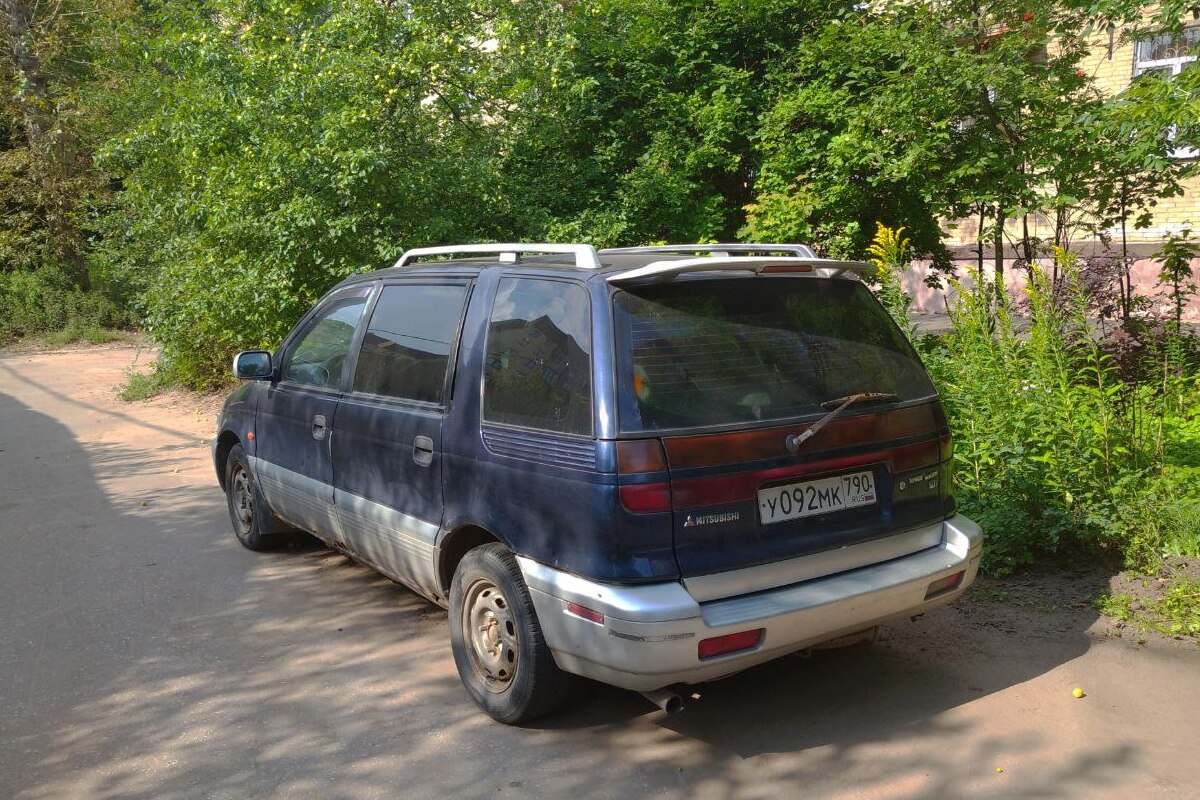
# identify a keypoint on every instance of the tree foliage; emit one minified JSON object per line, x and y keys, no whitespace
{"x":917,"y":114}
{"x":268,"y":149}
{"x":646,"y":130}
{"x":48,"y":183}
{"x":220,"y":164}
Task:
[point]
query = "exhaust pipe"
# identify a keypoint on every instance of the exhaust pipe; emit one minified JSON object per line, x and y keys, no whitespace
{"x":665,"y":699}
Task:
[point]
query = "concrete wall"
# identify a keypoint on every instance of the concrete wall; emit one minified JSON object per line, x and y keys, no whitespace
{"x":933,"y":301}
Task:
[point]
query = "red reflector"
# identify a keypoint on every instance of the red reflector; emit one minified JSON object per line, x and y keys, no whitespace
{"x":645,"y":498}
{"x":943,"y":585}
{"x":250,"y":436}
{"x":730,"y":643}
{"x":585,"y":613}
{"x":640,"y":455}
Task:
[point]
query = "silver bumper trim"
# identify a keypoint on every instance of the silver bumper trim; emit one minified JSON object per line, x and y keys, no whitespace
{"x":650,"y":633}
{"x":653,"y":602}
{"x":816,"y":565}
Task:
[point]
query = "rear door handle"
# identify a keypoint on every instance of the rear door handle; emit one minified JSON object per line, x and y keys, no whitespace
{"x":318,"y":427}
{"x":423,"y":451}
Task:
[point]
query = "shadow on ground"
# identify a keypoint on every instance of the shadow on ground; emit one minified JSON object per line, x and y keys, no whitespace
{"x":149,"y":657}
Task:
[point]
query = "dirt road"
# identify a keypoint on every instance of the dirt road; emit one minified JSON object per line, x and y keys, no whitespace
{"x":144,"y":654}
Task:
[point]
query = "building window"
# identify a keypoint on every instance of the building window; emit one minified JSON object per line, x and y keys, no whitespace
{"x":1169,"y":54}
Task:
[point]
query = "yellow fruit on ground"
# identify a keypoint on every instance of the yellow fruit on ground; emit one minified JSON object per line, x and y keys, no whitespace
{"x":1077,"y":692}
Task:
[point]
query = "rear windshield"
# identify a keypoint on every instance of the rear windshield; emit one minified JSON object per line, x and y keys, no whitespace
{"x":723,"y":351}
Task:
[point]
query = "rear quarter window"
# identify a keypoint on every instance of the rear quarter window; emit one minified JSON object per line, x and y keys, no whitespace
{"x":537,"y":370}
{"x":710,"y":351}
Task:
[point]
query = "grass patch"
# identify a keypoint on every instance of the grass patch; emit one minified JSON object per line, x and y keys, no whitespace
{"x":1117,"y":606}
{"x":1181,"y":608}
{"x":89,"y":334}
{"x":144,"y":385}
{"x":1176,"y":613}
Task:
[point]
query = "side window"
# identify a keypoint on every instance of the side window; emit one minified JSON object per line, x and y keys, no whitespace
{"x":407,"y":345}
{"x":318,"y":357}
{"x":538,"y":372}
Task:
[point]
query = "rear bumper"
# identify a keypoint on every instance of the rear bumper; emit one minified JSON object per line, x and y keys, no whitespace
{"x":650,"y":633}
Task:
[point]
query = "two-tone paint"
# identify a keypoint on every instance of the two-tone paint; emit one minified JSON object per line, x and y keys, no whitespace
{"x":409,"y":488}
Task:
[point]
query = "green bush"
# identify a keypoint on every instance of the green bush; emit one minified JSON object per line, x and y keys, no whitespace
{"x":1055,"y":446}
{"x":44,"y":301}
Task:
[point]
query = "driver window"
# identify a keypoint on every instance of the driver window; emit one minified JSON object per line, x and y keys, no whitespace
{"x":318,"y":358}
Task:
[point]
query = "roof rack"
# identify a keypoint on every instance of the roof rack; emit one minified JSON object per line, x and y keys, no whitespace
{"x":741,"y":248}
{"x":821,"y":267}
{"x":585,"y":254}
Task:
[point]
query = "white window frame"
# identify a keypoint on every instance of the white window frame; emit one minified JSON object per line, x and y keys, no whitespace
{"x":1176,"y":63}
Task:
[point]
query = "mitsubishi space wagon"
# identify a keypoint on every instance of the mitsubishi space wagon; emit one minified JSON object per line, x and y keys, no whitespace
{"x":650,"y":467}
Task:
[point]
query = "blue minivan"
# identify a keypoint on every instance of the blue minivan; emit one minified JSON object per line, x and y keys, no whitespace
{"x":651,"y":467}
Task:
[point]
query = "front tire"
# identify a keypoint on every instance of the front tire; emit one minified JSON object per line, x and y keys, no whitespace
{"x":497,"y":642}
{"x":248,"y":510}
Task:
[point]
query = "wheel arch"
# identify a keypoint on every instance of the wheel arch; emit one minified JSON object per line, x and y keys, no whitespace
{"x":225,"y":443}
{"x":456,"y":544}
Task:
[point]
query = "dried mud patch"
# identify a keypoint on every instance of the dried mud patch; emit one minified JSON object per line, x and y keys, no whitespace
{"x":1055,"y":600}
{"x":1164,"y":606}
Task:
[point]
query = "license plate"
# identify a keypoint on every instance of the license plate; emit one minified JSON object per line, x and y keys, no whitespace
{"x":796,"y":500}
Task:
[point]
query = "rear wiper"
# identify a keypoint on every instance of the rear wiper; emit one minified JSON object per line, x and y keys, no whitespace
{"x":839,"y":405}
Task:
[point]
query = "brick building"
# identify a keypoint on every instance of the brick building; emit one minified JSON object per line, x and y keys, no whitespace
{"x":1114,"y":62}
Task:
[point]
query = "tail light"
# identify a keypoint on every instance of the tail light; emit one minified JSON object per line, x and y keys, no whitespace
{"x":946,"y":474}
{"x":772,"y":269}
{"x":643,"y":457}
{"x":646,"y":498}
{"x":946,"y":448}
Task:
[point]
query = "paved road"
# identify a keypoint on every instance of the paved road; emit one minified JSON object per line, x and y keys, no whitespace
{"x":144,"y":654}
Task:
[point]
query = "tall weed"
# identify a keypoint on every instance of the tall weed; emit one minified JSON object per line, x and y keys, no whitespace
{"x":1056,"y":447}
{"x":890,"y":252}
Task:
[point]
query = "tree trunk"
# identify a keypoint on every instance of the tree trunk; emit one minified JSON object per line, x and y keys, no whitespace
{"x":998,"y":250}
{"x":1026,"y":242}
{"x":1061,"y":216}
{"x":32,"y":96}
{"x":1123,"y":277}
{"x":979,"y":240}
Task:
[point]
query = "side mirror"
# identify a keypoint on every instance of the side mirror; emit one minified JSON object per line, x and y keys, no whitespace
{"x":253,"y":365}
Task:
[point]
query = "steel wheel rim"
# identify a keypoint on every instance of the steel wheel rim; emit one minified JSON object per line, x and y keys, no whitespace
{"x":243,"y":501}
{"x":491,"y":633}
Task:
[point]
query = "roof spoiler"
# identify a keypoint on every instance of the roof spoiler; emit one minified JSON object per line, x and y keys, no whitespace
{"x":817,"y":267}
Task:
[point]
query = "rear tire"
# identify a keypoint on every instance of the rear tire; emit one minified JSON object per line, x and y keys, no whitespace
{"x":497,"y":641}
{"x":248,"y":509}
